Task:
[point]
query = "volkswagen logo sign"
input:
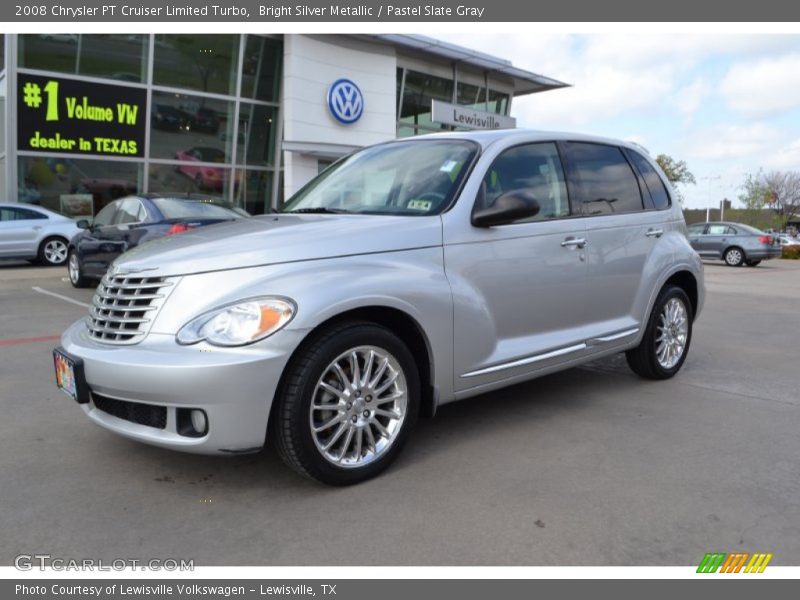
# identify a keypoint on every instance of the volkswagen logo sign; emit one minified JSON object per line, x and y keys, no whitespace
{"x":345,"y":101}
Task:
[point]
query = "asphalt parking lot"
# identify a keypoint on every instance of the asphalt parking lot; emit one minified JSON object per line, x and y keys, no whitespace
{"x":592,"y":466}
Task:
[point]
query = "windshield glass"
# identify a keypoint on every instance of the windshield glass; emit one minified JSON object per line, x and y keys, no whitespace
{"x":408,"y":178}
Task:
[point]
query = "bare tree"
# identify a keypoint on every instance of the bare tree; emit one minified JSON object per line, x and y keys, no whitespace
{"x":778,"y":191}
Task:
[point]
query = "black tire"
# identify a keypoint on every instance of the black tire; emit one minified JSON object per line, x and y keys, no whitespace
{"x":290,"y":426}
{"x":643,"y":360}
{"x":76,"y":276}
{"x":45,"y":255}
{"x":752,"y":263}
{"x":734,"y":256}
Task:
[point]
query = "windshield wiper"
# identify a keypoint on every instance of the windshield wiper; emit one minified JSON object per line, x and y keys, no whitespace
{"x":319,"y":210}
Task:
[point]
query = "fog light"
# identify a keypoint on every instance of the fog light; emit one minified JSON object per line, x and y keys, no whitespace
{"x":199,"y":421}
{"x":192,"y":422}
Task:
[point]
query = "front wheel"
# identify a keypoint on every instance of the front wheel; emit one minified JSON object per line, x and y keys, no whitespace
{"x":347,"y":404}
{"x":75,"y":271}
{"x":734,"y":257}
{"x":666,"y":339}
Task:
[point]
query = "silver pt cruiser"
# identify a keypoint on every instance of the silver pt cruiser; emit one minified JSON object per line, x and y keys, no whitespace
{"x":405,"y":276}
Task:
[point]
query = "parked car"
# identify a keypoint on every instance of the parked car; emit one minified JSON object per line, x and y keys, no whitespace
{"x":205,"y":120}
{"x":35,"y":233}
{"x":205,"y":176}
{"x":405,"y":276}
{"x":788,"y":240}
{"x":128,"y":222}
{"x":735,"y":243}
{"x":169,"y":118}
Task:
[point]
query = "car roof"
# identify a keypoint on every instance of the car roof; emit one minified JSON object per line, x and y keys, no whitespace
{"x":487,"y":137}
{"x":34,"y":207}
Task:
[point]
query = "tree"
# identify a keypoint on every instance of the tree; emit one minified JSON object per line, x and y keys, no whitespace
{"x":676,"y":171}
{"x":778,"y":191}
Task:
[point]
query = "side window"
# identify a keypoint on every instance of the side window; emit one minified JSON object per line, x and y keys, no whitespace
{"x":535,"y":169}
{"x":697,"y":229}
{"x":128,"y":212}
{"x":606,"y":182}
{"x":105,"y":216}
{"x":658,"y":192}
{"x":719,"y":230}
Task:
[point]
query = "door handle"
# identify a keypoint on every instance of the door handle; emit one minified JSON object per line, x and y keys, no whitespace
{"x":37,"y":227}
{"x":657,"y":233}
{"x":573,"y":242}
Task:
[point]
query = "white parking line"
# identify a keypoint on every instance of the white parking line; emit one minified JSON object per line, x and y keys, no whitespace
{"x":65,"y":298}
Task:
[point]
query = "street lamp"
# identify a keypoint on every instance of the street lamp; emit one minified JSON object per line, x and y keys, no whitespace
{"x":709,"y":179}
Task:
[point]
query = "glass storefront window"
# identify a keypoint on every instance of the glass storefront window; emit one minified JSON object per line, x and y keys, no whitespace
{"x":180,"y":180}
{"x":76,"y":187}
{"x":256,"y":137}
{"x":261,"y":68}
{"x":471,"y":95}
{"x":49,"y":51}
{"x":120,"y":57}
{"x":206,"y":63}
{"x":498,"y":102}
{"x":419,"y":90}
{"x":180,"y":123}
{"x":253,"y":191}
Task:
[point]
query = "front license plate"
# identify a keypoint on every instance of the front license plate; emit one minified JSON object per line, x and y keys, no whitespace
{"x":69,"y":376}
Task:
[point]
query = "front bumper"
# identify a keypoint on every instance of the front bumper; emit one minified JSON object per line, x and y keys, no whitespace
{"x":235,"y":387}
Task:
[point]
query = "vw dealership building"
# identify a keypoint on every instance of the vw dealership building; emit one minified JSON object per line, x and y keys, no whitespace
{"x":245,"y":118}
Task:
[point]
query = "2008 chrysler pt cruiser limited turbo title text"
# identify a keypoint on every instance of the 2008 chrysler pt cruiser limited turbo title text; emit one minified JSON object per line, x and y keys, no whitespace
{"x":405,"y":276}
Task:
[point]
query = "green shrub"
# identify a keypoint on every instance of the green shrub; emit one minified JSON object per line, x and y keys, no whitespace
{"x":790,"y":252}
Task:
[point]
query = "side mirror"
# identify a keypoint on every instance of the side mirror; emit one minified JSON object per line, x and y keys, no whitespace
{"x":510,"y":207}
{"x":83,"y":224}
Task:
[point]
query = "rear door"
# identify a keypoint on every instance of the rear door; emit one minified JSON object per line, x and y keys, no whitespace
{"x":520,"y":287}
{"x":622,"y":227}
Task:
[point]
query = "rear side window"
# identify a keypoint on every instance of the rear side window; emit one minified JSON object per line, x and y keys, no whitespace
{"x":721,"y":230}
{"x":605,"y":180}
{"x":658,"y":192}
{"x":533,"y":168}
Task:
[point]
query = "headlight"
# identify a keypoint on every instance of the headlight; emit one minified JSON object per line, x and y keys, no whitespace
{"x":239,"y":323}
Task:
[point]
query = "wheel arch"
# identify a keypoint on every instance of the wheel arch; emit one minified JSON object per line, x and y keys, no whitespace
{"x":400,"y":323}
{"x":688,"y":283}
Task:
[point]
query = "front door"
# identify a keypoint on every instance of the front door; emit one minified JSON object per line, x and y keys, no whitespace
{"x":519,"y":289}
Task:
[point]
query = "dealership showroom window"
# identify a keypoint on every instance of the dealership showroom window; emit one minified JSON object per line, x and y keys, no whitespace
{"x":207,"y":115}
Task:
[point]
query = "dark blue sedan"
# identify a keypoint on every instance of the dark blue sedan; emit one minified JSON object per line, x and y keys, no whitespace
{"x":128,"y":222}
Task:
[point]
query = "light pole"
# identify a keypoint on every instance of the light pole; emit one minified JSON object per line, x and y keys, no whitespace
{"x":709,"y":179}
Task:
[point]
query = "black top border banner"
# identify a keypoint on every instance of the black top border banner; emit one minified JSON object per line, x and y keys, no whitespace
{"x":360,"y":11}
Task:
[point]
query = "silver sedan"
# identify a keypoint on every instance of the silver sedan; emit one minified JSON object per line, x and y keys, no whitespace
{"x":35,"y":233}
{"x":735,"y":243}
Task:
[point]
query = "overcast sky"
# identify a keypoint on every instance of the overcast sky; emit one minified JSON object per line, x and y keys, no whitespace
{"x":726,"y":104}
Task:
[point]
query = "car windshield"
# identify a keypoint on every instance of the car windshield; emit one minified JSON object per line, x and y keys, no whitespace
{"x":174,"y":208}
{"x":407,"y":178}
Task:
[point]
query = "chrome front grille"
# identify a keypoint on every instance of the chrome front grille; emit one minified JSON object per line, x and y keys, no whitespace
{"x":123,"y":308}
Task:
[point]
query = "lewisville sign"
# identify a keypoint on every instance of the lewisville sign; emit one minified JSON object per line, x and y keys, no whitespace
{"x":63,"y":115}
{"x":464,"y":116}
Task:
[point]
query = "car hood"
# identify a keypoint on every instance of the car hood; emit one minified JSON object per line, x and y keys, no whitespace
{"x":274,"y":239}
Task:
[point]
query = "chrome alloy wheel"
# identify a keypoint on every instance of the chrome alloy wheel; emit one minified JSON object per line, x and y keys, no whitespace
{"x":358,"y":406}
{"x":74,"y":268}
{"x":55,"y":252}
{"x":672,"y":333}
{"x":734,"y":257}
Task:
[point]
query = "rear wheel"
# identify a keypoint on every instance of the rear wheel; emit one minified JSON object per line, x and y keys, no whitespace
{"x":347,"y":404}
{"x":53,"y":251}
{"x":76,"y":276}
{"x":734,"y":257}
{"x":752,"y":263}
{"x":666,"y":339}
